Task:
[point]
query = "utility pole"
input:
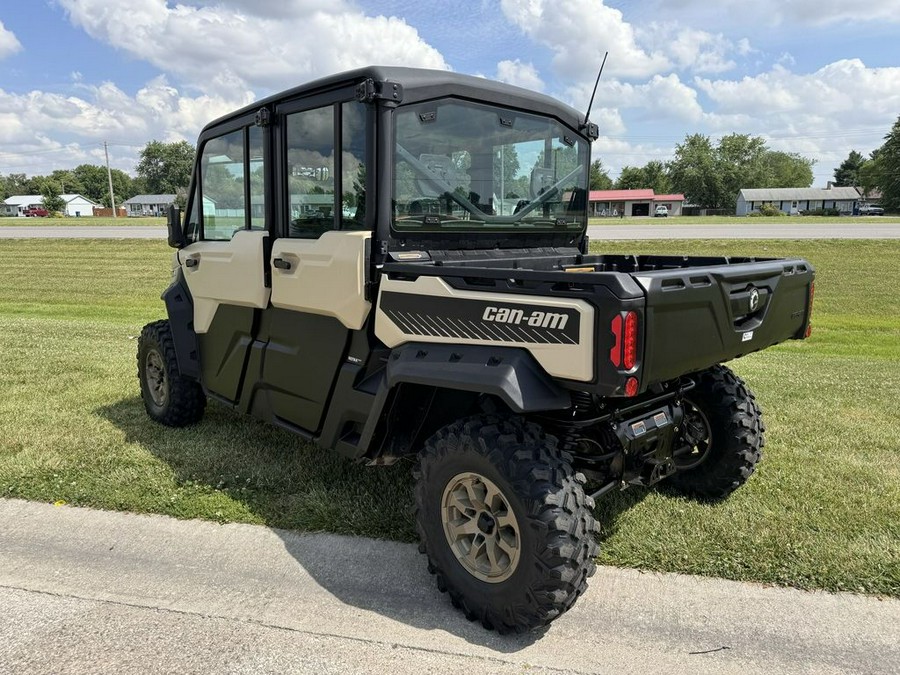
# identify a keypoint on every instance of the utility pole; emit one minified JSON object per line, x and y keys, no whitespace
{"x":112,"y":197}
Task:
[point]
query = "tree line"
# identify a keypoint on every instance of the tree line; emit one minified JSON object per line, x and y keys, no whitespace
{"x":711,"y":174}
{"x":879,"y":172}
{"x":708,"y":174}
{"x":163,"y":168}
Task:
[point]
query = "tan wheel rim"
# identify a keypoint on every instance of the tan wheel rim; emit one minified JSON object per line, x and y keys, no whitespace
{"x":480,"y":527}
{"x":157,"y":380}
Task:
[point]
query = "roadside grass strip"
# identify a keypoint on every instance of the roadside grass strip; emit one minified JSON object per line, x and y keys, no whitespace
{"x":739,"y":221}
{"x":87,"y":221}
{"x":822,"y":511}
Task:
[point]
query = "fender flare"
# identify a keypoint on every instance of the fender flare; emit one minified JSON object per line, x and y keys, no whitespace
{"x":510,"y":373}
{"x":180,"y":310}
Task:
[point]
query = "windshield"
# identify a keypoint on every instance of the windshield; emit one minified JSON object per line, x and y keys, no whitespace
{"x":460,"y":165}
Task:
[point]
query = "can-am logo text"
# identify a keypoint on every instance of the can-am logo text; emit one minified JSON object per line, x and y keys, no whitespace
{"x":517,"y":317}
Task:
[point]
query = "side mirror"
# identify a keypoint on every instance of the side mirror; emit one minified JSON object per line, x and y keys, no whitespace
{"x":176,"y":233}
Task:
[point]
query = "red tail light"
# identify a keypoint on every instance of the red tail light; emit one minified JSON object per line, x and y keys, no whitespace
{"x":631,"y":386}
{"x":625,"y":339}
{"x":812,"y":293}
{"x":630,"y":340}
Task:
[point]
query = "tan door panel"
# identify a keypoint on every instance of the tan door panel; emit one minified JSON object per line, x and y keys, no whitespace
{"x":325,"y":276}
{"x":225,"y":272}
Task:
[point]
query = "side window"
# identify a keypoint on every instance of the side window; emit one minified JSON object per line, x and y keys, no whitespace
{"x":222,"y":171}
{"x":310,"y":172}
{"x":257,"y":179}
{"x":353,"y":168}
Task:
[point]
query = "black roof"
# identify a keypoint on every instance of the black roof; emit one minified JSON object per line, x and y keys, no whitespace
{"x":420,"y":84}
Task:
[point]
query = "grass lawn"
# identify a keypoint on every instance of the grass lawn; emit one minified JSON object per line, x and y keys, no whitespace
{"x":80,"y":222}
{"x":741,"y":220}
{"x":823,"y":510}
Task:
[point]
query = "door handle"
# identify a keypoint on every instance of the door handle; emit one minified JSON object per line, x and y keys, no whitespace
{"x":192,"y":262}
{"x":281,"y":264}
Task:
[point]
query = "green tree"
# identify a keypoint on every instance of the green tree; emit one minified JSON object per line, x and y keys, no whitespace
{"x":630,"y":178}
{"x":847,"y":174}
{"x":788,"y":169}
{"x":600,"y":179}
{"x":693,"y":171}
{"x":740,"y":163}
{"x":51,"y":197}
{"x":67,"y":181}
{"x":711,"y":176}
{"x":656,"y":177}
{"x":165,"y":167}
{"x":888,"y":169}
{"x":870,"y":174}
{"x":95,"y":183}
{"x":13,"y":184}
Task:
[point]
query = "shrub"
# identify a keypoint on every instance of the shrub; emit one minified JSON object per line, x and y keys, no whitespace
{"x":769,"y":210}
{"x":822,"y":212}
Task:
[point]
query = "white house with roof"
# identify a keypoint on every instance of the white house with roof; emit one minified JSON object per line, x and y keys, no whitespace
{"x":148,"y":205}
{"x":76,"y":205}
{"x":17,"y":204}
{"x":796,"y":200}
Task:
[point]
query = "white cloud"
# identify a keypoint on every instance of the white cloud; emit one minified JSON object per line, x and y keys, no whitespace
{"x":659,"y":98}
{"x":520,"y":74}
{"x":802,"y":12}
{"x":41,"y":131}
{"x":833,"y":91}
{"x":693,"y":49}
{"x":579,"y":32}
{"x":9,"y":43}
{"x":816,"y":114}
{"x":823,"y":114}
{"x":239,"y":44}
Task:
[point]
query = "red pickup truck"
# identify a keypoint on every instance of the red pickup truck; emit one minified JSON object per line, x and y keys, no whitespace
{"x":36,"y":212}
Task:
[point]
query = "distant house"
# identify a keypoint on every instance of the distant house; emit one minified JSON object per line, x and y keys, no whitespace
{"x":796,"y":200}
{"x":631,"y":203}
{"x":76,"y":205}
{"x":149,"y":205}
{"x":79,"y":206}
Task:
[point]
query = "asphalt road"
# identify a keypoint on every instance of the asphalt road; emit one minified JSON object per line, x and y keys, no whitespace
{"x":851,"y":229}
{"x":100,"y":592}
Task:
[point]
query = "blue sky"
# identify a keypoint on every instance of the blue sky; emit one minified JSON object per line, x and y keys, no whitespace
{"x":818,"y":77}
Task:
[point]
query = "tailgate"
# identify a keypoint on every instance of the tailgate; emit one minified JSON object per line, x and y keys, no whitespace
{"x":697,"y":317}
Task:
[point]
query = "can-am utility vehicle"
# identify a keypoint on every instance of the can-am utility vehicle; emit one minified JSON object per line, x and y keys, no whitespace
{"x":393,"y":263}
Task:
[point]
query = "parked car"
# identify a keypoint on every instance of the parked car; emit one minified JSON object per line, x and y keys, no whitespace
{"x":36,"y":212}
{"x":661,"y":212}
{"x":870,"y":210}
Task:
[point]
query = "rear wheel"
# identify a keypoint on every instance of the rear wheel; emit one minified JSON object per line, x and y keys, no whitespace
{"x":504,"y":520}
{"x":169,"y":397}
{"x":724,"y":435}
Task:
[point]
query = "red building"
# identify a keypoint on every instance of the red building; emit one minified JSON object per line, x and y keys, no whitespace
{"x":631,"y":203}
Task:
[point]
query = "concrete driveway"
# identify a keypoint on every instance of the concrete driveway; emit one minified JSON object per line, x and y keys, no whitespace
{"x":100,"y":592}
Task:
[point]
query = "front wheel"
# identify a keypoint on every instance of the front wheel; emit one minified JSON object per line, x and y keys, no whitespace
{"x":722,"y":436}
{"x":169,"y":397}
{"x":504,"y":520}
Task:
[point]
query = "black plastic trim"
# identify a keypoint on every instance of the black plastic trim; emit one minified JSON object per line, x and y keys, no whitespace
{"x":510,"y":373}
{"x":180,"y":309}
